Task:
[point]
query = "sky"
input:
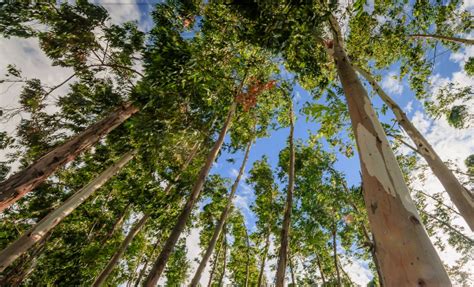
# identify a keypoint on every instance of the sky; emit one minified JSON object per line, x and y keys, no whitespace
{"x":451,"y":144}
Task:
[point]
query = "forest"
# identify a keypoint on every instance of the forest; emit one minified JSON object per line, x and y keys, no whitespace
{"x":237,"y":143}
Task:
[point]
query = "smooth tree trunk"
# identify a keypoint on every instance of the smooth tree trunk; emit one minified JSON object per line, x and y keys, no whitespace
{"x":285,"y":230}
{"x":142,"y":271}
{"x":444,"y":38}
{"x":214,"y":264}
{"x":224,"y":267}
{"x":334,"y":250}
{"x":460,"y":196}
{"x":264,"y":259}
{"x":320,"y":267}
{"x":247,"y":265}
{"x":35,"y":234}
{"x":24,"y":181}
{"x":100,"y":280}
{"x":118,"y":222}
{"x":221,"y":222}
{"x":160,"y":263}
{"x":292,"y":271}
{"x":121,"y":250}
{"x":404,"y":250}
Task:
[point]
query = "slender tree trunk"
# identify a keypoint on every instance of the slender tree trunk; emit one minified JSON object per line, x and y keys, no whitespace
{"x":214,"y":264}
{"x":221,"y":222}
{"x":138,"y":226}
{"x":118,"y":254}
{"x":142,"y":272}
{"x":117,"y":223}
{"x":264,"y":258}
{"x":221,"y":278}
{"x":320,"y":269}
{"x":460,"y":196}
{"x":444,"y":38}
{"x":283,"y":256}
{"x":160,"y":263}
{"x":247,"y":265}
{"x":132,"y":279}
{"x":404,"y":250}
{"x":17,"y":185}
{"x":334,"y":250}
{"x":345,"y":274}
{"x":449,"y":226}
{"x":21,"y":245}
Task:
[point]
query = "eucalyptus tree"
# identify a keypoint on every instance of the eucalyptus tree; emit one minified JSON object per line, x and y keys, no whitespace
{"x":67,"y":38}
{"x":384,"y":186}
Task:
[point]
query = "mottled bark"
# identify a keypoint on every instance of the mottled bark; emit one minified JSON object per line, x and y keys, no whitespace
{"x":25,"y":242}
{"x":16,"y":186}
{"x":221,"y":222}
{"x":285,"y":230}
{"x":160,"y":263}
{"x":460,"y":196}
{"x":404,"y":250}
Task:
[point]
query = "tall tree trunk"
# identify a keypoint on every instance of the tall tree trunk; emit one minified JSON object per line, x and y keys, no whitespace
{"x":117,"y":223}
{"x":320,"y":269}
{"x":221,"y":278}
{"x":142,"y":272}
{"x":21,"y":245}
{"x":283,"y":256}
{"x":264,"y":258}
{"x":460,"y":196}
{"x":334,"y":250}
{"x":222,"y":219}
{"x":17,"y":185}
{"x":138,"y":226}
{"x":118,"y":254}
{"x":444,"y":38}
{"x":292,"y":271}
{"x":216,"y":260}
{"x":160,"y":263}
{"x":247,"y":265}
{"x":404,"y":250}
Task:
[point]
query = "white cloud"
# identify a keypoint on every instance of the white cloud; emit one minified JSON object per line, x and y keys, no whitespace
{"x":409,"y":107}
{"x":391,"y":84}
{"x":358,"y":271}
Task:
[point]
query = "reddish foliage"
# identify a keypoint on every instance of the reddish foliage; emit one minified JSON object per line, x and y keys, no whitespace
{"x":249,"y":99}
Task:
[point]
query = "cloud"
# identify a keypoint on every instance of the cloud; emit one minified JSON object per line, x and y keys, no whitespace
{"x":391,"y":84}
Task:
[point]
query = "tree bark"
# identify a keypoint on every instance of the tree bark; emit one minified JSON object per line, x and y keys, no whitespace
{"x":320,"y":269}
{"x":404,"y":250}
{"x":222,"y":219}
{"x":138,"y":226}
{"x":444,"y":38}
{"x":117,"y":223}
{"x":262,"y":264}
{"x":118,"y":254}
{"x":160,"y":263}
{"x":142,"y":272}
{"x":283,"y":256}
{"x":17,"y":185}
{"x":334,"y":250}
{"x":214,"y":264}
{"x":460,"y":196}
{"x":221,"y":278}
{"x":292,"y":272}
{"x":21,"y":245}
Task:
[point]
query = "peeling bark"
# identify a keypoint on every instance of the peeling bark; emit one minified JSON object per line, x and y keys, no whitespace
{"x":35,"y":234}
{"x":405,"y":253}
{"x":24,"y":181}
{"x":460,"y":196}
{"x":160,"y":263}
{"x":221,"y":222}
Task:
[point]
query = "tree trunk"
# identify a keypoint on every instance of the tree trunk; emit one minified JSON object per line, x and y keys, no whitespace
{"x":117,"y":223}
{"x":21,"y":245}
{"x":404,"y":250}
{"x":17,"y":185}
{"x":460,"y":196}
{"x":264,"y":258}
{"x":334,"y":250}
{"x":320,"y":269}
{"x":118,"y":254}
{"x":221,"y":278}
{"x":247,"y":265}
{"x":292,"y":272}
{"x":160,"y":263}
{"x":214,"y":264}
{"x":220,"y":223}
{"x":444,"y":38}
{"x":138,"y":226}
{"x":142,"y":272}
{"x":282,"y":257}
